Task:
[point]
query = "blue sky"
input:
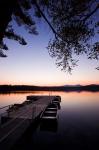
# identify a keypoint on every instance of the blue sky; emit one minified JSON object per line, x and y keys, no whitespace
{"x":32,"y":65}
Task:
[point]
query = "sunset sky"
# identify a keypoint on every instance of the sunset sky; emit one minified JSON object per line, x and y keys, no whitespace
{"x":32,"y":65}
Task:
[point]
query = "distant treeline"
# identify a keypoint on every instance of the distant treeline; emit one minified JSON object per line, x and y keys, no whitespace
{"x":18,"y":88}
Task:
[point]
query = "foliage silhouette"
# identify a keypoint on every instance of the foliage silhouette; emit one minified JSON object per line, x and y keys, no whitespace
{"x":73,"y":23}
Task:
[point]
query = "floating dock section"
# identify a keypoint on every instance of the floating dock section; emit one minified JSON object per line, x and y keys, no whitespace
{"x":19,"y":117}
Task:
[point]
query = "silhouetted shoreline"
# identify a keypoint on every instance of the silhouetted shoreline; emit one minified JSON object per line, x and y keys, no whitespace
{"x":25,"y":88}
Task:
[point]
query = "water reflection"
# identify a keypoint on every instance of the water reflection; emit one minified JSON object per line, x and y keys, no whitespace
{"x":76,"y":128}
{"x":49,"y":125}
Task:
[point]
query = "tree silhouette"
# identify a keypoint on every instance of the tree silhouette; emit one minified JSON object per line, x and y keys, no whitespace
{"x":73,"y":23}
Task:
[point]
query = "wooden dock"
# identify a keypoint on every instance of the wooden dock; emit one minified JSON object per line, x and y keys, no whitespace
{"x":20,"y":119}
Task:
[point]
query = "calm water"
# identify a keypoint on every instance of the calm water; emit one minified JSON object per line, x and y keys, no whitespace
{"x":77,"y":126}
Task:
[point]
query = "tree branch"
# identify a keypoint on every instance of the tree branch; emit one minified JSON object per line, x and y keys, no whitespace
{"x":52,"y":28}
{"x":12,"y":35}
{"x":37,"y":6}
{"x":89,"y":15}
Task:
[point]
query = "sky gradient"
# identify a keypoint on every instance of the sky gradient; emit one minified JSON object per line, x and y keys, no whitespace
{"x":32,"y":65}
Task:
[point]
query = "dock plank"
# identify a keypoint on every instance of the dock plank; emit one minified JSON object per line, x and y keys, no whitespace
{"x":20,"y":120}
{"x":33,"y":109}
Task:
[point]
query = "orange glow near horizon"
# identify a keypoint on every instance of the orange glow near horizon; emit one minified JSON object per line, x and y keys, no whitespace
{"x":68,"y":98}
{"x":50,"y":84}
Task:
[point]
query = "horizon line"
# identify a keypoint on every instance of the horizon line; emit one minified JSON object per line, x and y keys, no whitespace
{"x":48,"y":85}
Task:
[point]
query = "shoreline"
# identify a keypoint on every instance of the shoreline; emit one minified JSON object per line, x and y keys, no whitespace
{"x":26,"y":88}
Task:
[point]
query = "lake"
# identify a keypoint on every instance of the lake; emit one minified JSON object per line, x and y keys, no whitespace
{"x":77,"y":126}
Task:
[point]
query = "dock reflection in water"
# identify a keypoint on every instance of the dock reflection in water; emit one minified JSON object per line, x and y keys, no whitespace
{"x":49,"y":125}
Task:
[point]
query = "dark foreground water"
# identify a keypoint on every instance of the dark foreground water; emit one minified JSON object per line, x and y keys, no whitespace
{"x":77,"y":126}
